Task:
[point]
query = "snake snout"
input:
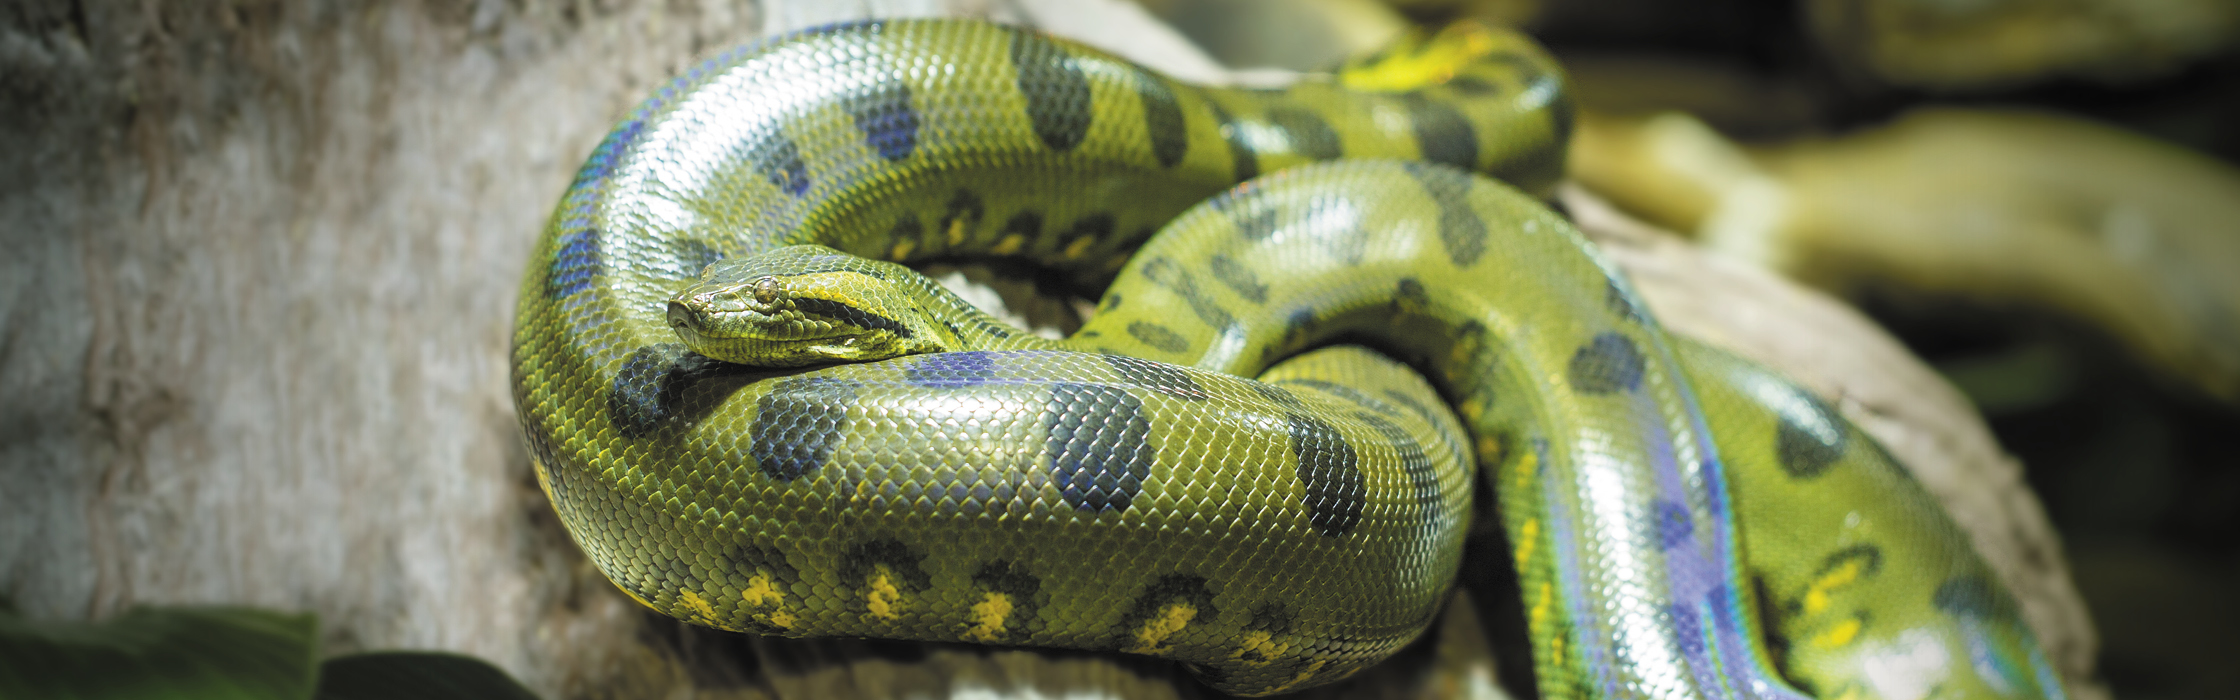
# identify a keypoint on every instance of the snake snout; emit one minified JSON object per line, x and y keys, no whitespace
{"x":681,"y":318}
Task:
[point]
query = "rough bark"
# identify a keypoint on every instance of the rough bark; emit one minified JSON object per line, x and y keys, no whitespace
{"x":262,"y":259}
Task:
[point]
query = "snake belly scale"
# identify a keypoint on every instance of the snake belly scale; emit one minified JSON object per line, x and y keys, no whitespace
{"x":1276,"y":533}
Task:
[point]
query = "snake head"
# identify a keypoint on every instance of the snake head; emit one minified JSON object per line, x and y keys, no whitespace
{"x":801,"y":305}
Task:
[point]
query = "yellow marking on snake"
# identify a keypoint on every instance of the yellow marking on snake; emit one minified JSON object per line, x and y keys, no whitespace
{"x":1152,"y":635}
{"x":780,"y":618}
{"x":1544,"y":603}
{"x":880,"y":595}
{"x":1010,"y":245}
{"x":1259,"y":649}
{"x":988,"y":617}
{"x":1817,"y":597}
{"x":1079,"y":246}
{"x":1528,"y":539}
{"x":698,"y":605}
{"x":956,"y":232}
{"x":1839,"y":634}
{"x":762,"y":592}
{"x":1422,"y":60}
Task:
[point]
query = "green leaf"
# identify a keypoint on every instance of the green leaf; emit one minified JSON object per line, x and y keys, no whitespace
{"x":397,"y":675}
{"x":179,"y":653}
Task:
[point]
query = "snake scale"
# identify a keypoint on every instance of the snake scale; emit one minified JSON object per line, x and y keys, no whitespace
{"x":807,"y":441}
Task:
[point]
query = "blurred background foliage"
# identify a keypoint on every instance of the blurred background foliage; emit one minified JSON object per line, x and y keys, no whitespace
{"x":2037,"y":196}
{"x":223,"y":653}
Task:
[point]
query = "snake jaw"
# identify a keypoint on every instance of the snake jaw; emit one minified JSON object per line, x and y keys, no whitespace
{"x":759,"y":323}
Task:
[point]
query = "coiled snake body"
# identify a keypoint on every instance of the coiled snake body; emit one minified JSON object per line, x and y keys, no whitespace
{"x":1126,"y":489}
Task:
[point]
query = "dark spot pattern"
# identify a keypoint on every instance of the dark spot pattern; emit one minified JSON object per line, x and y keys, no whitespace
{"x":1410,"y":403}
{"x":950,"y":370}
{"x":1095,"y":227}
{"x":1238,"y":278}
{"x":1687,"y":628}
{"x":608,"y":153}
{"x":963,"y":215}
{"x":1272,"y":618}
{"x":1532,"y":75}
{"x":1022,"y":588}
{"x":1808,"y":436}
{"x":991,"y":328}
{"x":1185,"y":589}
{"x":1443,"y":133}
{"x":1469,"y":341}
{"x":780,"y":162}
{"x":1331,"y":472}
{"x":1277,"y":394}
{"x":888,"y":122}
{"x":1158,"y":336}
{"x":797,"y":425}
{"x":667,"y":383}
{"x":906,"y":228}
{"x":862,"y":561}
{"x":850,"y":315}
{"x":1309,"y":134}
{"x":1472,"y":86}
{"x":1973,"y":596}
{"x":1099,"y":443}
{"x":1027,"y":224}
{"x":1157,"y":376}
{"x":1414,"y":462}
{"x":575,"y":265}
{"x":1058,"y":98}
{"x":1610,"y":363}
{"x":1254,"y":226}
{"x":1410,"y":296}
{"x":1460,"y":230}
{"x":1167,"y":273}
{"x":1621,"y":302}
{"x":1243,"y":161}
{"x":1675,"y":526}
{"x":693,"y":255}
{"x":1346,"y":392}
{"x":1865,"y":556}
{"x":1298,"y":328}
{"x":1136,"y":239}
{"x":1162,"y":119}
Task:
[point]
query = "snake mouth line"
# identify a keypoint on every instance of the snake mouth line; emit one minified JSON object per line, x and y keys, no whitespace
{"x":688,"y":328}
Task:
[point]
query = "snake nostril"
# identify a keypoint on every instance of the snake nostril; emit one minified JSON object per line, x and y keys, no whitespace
{"x":680,"y":317}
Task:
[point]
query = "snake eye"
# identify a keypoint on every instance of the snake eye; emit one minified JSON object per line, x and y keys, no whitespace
{"x":766,"y":290}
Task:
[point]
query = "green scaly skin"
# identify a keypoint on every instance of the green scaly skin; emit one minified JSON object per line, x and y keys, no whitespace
{"x":1277,"y":534}
{"x":1873,"y":590}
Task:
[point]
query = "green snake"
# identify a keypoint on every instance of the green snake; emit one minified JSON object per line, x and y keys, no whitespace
{"x":749,"y":422}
